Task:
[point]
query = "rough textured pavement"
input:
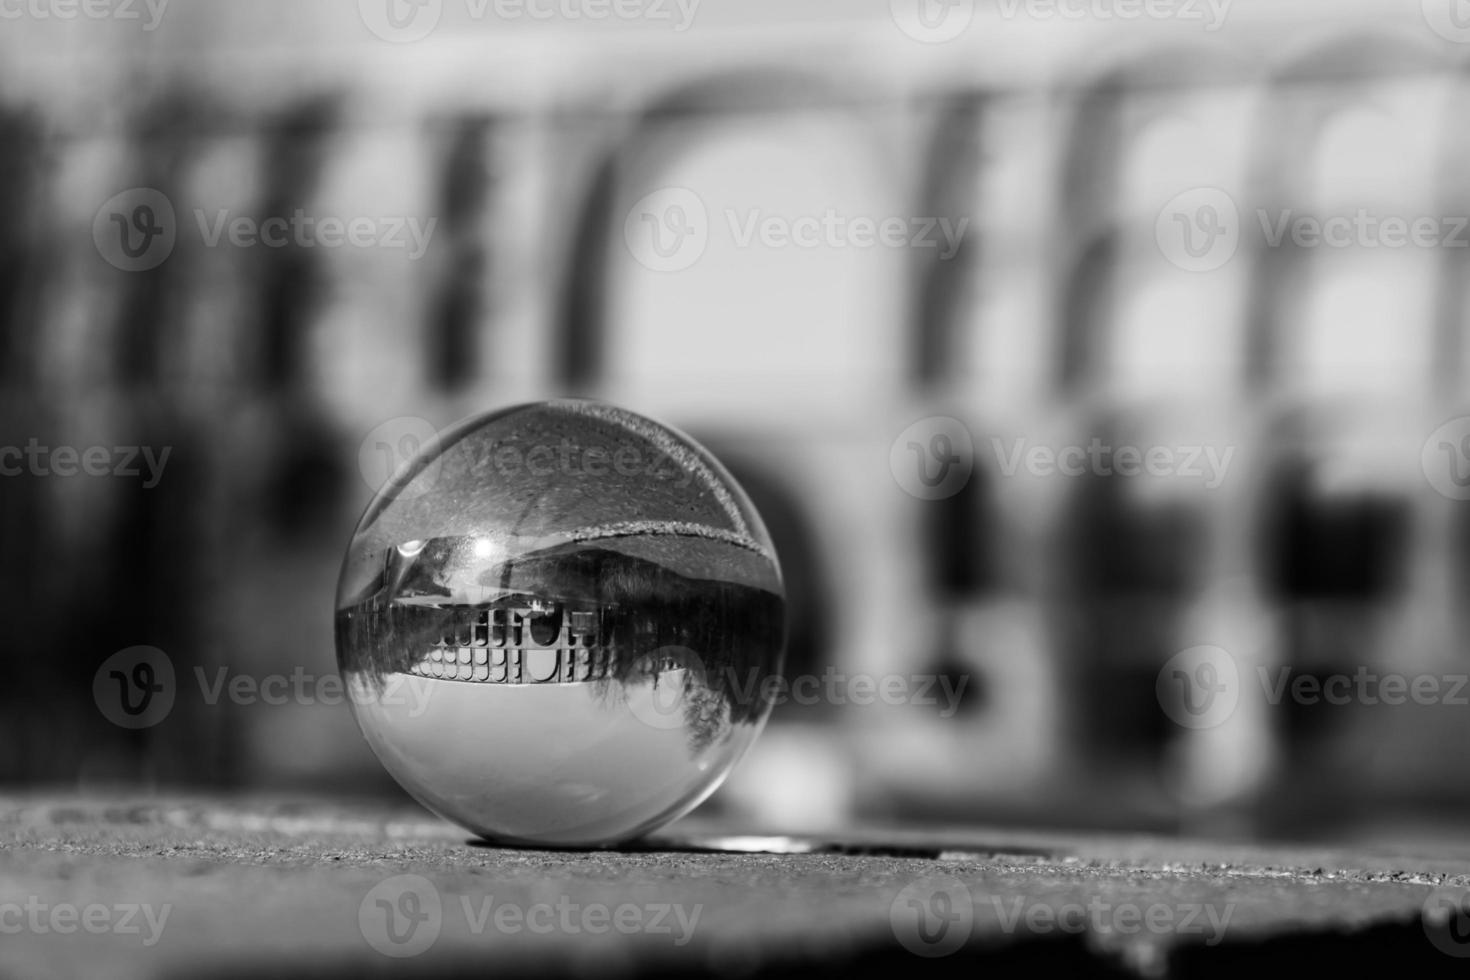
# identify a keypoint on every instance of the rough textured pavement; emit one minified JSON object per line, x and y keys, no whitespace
{"x":253,"y":887}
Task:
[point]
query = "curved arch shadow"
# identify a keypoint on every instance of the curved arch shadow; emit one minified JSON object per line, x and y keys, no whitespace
{"x":951,"y":158}
{"x":1344,"y":67}
{"x":1092,"y":175}
{"x":581,"y":319}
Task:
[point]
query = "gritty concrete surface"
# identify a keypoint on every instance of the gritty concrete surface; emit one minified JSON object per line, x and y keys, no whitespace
{"x":265,"y":887}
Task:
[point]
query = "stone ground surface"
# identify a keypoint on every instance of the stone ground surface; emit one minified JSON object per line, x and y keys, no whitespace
{"x":263,"y":887}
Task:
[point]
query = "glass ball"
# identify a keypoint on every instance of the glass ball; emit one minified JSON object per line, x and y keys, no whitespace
{"x":559,"y":624}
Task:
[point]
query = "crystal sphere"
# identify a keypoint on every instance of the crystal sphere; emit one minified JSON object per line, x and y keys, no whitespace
{"x":558,"y":624}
